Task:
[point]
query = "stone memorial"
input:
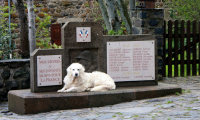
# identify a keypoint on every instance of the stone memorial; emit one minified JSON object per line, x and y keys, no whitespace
{"x":49,"y":70}
{"x":129,"y":60}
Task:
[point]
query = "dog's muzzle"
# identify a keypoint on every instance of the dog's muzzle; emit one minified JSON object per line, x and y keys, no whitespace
{"x":76,"y":74}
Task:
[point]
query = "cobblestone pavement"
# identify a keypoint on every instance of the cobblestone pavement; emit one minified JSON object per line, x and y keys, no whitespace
{"x":185,"y":106}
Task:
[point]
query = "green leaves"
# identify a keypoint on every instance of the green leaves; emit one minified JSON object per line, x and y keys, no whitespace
{"x":42,"y":33}
{"x":185,"y":9}
{"x":6,"y":43}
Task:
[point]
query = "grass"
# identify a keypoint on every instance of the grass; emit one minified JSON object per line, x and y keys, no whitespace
{"x":114,"y":116}
{"x":177,"y":93}
{"x":119,"y":113}
{"x":191,"y":102}
{"x":189,"y":108}
{"x":136,"y":116}
{"x":168,"y":102}
{"x":186,"y":91}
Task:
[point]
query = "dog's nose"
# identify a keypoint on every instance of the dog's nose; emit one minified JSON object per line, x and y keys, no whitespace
{"x":76,"y":74}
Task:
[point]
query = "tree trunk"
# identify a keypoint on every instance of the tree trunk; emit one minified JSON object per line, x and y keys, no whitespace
{"x":31,"y":17}
{"x":112,"y":13}
{"x":104,"y":14}
{"x":24,"y":44}
{"x":124,"y":15}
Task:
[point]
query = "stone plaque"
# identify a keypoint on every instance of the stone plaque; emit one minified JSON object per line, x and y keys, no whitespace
{"x":131,"y":60}
{"x":83,"y":34}
{"x":49,"y":70}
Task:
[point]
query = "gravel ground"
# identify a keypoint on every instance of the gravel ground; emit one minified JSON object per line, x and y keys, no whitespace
{"x":185,"y":106}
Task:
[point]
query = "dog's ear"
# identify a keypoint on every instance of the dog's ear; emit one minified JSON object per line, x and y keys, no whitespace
{"x":69,"y":68}
{"x":82,"y":68}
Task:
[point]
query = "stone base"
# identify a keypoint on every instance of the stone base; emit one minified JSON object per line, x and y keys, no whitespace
{"x":25,"y":102}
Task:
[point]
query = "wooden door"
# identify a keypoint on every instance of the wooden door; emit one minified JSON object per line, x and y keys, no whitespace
{"x":56,"y":34}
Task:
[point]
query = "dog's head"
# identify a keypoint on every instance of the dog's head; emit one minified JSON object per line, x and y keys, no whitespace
{"x":75,"y":69}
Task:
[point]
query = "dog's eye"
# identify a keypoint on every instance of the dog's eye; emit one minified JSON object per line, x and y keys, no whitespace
{"x":73,"y":69}
{"x":78,"y":69}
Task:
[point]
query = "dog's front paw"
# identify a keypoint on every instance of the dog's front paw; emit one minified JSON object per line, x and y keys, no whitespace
{"x":60,"y":90}
{"x":70,"y":91}
{"x":87,"y":89}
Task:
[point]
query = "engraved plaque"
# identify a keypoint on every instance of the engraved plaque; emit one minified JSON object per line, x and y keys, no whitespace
{"x":131,"y":60}
{"x":83,"y":34}
{"x":49,"y":70}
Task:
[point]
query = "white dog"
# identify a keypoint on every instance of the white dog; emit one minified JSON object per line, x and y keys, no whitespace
{"x":77,"y":80}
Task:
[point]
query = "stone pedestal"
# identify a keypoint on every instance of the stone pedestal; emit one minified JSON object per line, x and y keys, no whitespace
{"x":25,"y":102}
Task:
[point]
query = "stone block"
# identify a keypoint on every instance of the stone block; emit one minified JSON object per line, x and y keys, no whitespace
{"x":12,"y":85}
{"x":160,"y":71}
{"x":139,"y":23}
{"x":143,"y":15}
{"x":134,"y":13}
{"x":1,"y":83}
{"x":25,"y":102}
{"x":45,"y":10}
{"x":5,"y":74}
{"x":21,"y":73}
{"x":112,"y":38}
{"x":52,"y":5}
{"x":135,"y":30}
{"x":157,"y":14}
{"x":64,"y":20}
{"x":160,"y":62}
{"x":52,"y":10}
{"x":160,"y":52}
{"x":159,"y":40}
{"x":159,"y":31}
{"x":25,"y":84}
{"x":146,"y":31}
{"x":153,"y":22}
{"x":33,"y":72}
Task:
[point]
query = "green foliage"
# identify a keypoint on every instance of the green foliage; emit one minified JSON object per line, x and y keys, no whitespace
{"x":168,"y":102}
{"x":121,"y":31}
{"x":6,"y":44}
{"x":186,"y":91}
{"x":42,"y":34}
{"x":119,"y":113}
{"x":177,"y":93}
{"x":184,"y":9}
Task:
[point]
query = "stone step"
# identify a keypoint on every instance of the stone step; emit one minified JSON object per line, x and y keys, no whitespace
{"x":25,"y":102}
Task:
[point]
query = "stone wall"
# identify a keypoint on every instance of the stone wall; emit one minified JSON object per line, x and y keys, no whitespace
{"x":150,"y":21}
{"x":14,"y":74}
{"x":60,"y":10}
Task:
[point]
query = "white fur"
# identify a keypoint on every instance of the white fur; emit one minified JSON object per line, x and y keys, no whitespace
{"x":77,"y":80}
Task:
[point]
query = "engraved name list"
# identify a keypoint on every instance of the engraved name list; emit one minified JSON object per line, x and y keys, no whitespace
{"x":131,"y":60}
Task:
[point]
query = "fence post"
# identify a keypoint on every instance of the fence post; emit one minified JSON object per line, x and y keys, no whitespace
{"x":188,"y":48}
{"x":182,"y":48}
{"x":176,"y":39}
{"x":194,"y":54}
{"x":170,"y":48}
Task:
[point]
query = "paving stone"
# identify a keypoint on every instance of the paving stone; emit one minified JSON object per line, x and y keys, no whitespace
{"x":151,"y":107}
{"x":106,"y":116}
{"x":136,"y":110}
{"x":165,"y":106}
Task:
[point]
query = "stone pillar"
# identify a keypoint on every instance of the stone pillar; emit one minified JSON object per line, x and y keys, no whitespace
{"x":150,"y":21}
